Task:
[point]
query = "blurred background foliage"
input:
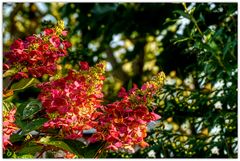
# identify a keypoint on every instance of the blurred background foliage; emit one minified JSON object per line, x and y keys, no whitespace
{"x":195,"y":44}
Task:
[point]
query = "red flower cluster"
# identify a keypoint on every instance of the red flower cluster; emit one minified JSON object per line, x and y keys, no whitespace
{"x":37,"y":54}
{"x":124,"y":123}
{"x":74,"y":103}
{"x":71,"y":102}
{"x":8,"y":127}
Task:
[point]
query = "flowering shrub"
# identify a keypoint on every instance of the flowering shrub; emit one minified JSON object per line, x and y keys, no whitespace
{"x":37,"y":54}
{"x":124,"y":123}
{"x":68,"y":106}
{"x":71,"y":102}
{"x":8,"y":127}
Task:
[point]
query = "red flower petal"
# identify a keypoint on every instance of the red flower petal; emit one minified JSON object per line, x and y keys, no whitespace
{"x":84,"y":65}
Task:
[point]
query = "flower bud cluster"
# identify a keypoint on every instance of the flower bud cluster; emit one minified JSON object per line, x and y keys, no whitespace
{"x":74,"y":103}
{"x":71,"y":102}
{"x":123,"y":124}
{"x":8,"y":127}
{"x":37,"y":54}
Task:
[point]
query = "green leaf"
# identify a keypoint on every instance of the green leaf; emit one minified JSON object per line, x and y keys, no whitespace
{"x":19,"y":122}
{"x":24,"y":83}
{"x":30,"y":149}
{"x":26,"y":156}
{"x":71,"y":146}
{"x":10,"y":72}
{"x":182,"y":14}
{"x":34,"y":125}
{"x":93,"y":150}
{"x":89,"y":151}
{"x":7,"y":106}
{"x":182,"y":40}
{"x":32,"y":108}
{"x":16,"y":137}
{"x":130,"y":85}
{"x":6,"y":82}
{"x":74,"y":146}
{"x":29,"y":109}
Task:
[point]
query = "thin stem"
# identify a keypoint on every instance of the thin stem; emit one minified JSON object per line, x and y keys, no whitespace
{"x":9,"y":82}
{"x":193,"y":20}
{"x":100,"y":150}
{"x":41,"y":153}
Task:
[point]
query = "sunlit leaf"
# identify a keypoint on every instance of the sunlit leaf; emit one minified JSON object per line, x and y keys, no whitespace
{"x":7,"y":106}
{"x":71,"y":146}
{"x":10,"y":72}
{"x":24,"y":83}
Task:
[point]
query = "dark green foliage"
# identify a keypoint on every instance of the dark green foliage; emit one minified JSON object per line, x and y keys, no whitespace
{"x":198,"y":104}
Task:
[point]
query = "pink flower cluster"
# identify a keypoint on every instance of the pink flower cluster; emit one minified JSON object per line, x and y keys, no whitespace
{"x":74,"y":103}
{"x":37,"y":54}
{"x":8,"y":127}
{"x":71,"y":102}
{"x":123,"y":124}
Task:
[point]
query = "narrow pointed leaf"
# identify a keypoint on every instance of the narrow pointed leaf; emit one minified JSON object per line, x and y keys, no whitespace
{"x":24,"y":83}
